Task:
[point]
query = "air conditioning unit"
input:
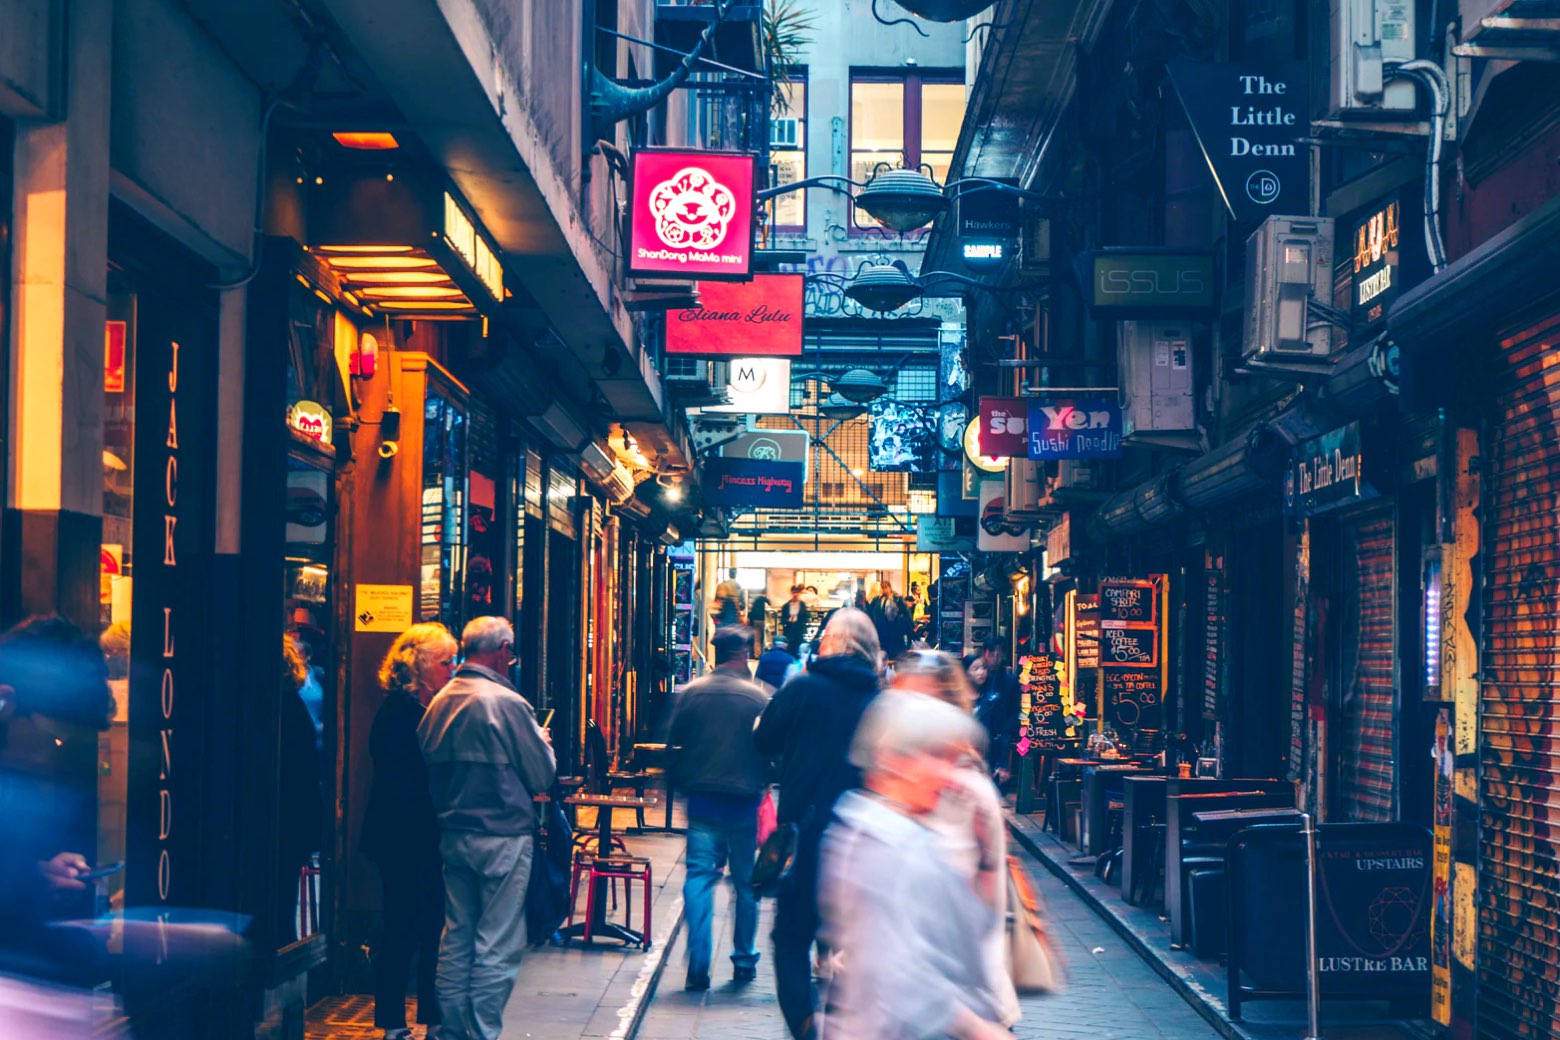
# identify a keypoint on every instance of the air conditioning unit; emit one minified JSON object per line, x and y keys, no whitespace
{"x":785,"y":132}
{"x":1366,"y":35}
{"x":1289,"y":285}
{"x":1025,"y":486}
{"x":1074,"y":482}
{"x":1155,"y":362}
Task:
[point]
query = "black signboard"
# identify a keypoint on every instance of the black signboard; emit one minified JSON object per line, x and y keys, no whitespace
{"x":1249,"y":121}
{"x":1374,"y":903}
{"x":1133,"y":696}
{"x":988,"y":226}
{"x":1147,"y":283}
{"x":1213,"y":635}
{"x":1129,"y":648}
{"x":1086,"y":632}
{"x":1046,"y":729}
{"x":1376,"y":262}
{"x":1326,"y":472}
{"x":752,"y":483}
{"x":1131,"y":601}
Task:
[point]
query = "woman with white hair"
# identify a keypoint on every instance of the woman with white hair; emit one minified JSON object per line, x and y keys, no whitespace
{"x":907,"y":923}
{"x":400,"y":831}
{"x":809,"y":724}
{"x":968,"y":820}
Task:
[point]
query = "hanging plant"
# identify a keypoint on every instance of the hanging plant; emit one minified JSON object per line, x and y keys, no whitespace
{"x":788,"y":29}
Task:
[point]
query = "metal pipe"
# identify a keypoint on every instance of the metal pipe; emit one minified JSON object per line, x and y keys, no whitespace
{"x":1430,"y":76}
{"x":1313,"y":976}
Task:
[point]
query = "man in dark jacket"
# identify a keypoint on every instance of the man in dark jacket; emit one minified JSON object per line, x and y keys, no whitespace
{"x":794,"y":616}
{"x":810,"y":723}
{"x":997,"y":699}
{"x":777,"y":660}
{"x":717,"y":765}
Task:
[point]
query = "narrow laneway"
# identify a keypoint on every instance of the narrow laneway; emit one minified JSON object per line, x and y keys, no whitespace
{"x":1111,"y":992}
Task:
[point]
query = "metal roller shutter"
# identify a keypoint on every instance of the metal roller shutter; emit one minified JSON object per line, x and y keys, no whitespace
{"x":1368,"y":744}
{"x":1519,"y":746}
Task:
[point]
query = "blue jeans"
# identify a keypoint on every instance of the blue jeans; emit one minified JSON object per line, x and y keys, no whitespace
{"x":711,"y":843}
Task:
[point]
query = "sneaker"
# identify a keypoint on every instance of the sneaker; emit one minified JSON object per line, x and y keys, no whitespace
{"x":397,"y":1034}
{"x":698,"y":981}
{"x":744,"y":973}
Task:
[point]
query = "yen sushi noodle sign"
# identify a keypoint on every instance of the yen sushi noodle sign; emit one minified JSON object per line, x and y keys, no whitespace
{"x":692,"y":215}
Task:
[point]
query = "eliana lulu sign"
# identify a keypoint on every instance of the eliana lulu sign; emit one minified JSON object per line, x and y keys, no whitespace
{"x":1249,"y":120}
{"x":1082,"y":429}
{"x":692,"y":214}
{"x":761,"y":318}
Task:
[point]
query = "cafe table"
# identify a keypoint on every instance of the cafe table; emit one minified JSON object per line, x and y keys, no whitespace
{"x":657,"y":753}
{"x":604,"y":804}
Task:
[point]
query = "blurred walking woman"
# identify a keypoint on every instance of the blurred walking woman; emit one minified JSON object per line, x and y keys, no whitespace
{"x":400,"y":831}
{"x":907,"y":923}
{"x":968,"y":819}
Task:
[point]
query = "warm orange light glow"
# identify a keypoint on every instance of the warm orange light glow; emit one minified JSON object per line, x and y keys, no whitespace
{"x":364,"y":249}
{"x":366,"y":140}
{"x":349,"y":263}
{"x":396,"y":277}
{"x":424,"y":305}
{"x":411,"y":292}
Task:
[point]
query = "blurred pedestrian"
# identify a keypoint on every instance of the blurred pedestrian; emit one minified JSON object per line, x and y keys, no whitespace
{"x":400,"y":830}
{"x":809,"y":725}
{"x":997,"y":700}
{"x":776,"y":662}
{"x":54,"y":701}
{"x":716,"y":763}
{"x":907,"y":924}
{"x":486,"y":759}
{"x":728,"y":600}
{"x":794,"y":616}
{"x":300,"y":797}
{"x":894,"y":631}
{"x":758,"y":621}
{"x":968,"y":820}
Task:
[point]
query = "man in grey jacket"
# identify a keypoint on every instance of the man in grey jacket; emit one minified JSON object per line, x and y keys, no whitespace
{"x":718,"y":767}
{"x":486,"y":759}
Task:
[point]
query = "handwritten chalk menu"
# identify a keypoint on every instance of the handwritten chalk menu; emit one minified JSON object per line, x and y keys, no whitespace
{"x":1086,"y":632}
{"x":1134,"y":697}
{"x":1042,"y":687}
{"x":1128,"y":601}
{"x":1129,"y":648}
{"x":1213,"y":635}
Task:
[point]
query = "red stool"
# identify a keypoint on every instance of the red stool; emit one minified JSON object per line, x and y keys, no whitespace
{"x":612,"y":869}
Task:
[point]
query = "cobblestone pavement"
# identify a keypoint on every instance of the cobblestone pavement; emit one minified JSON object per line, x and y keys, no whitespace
{"x":1111,"y":993}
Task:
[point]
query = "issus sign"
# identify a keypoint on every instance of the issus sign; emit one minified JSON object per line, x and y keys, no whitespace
{"x":692,"y":214}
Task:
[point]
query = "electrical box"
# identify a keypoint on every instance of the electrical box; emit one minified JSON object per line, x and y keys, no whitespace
{"x":1025,"y":485}
{"x":1289,"y":264}
{"x":1366,"y":34}
{"x":1155,"y":362}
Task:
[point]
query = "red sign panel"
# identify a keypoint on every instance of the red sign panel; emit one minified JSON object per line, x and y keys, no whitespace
{"x":761,"y":318}
{"x":114,"y":357}
{"x":692,"y":215}
{"x":1004,"y":427}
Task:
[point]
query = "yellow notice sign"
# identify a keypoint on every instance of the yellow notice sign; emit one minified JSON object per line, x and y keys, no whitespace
{"x":382,"y":608}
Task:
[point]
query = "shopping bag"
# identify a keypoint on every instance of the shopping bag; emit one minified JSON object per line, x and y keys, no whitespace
{"x":1033,"y":961}
{"x":774,"y":860}
{"x":768,"y":817}
{"x":547,"y":889}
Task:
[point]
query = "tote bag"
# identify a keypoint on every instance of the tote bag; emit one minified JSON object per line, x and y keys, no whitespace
{"x":1032,"y":958}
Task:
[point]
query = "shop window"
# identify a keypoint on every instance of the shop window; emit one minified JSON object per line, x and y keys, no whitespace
{"x":443,"y":503}
{"x":903,"y":120}
{"x":788,"y":153}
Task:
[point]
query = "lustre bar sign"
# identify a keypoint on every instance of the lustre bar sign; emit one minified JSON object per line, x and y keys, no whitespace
{"x":1249,"y":120}
{"x":761,"y":318}
{"x":692,"y":215}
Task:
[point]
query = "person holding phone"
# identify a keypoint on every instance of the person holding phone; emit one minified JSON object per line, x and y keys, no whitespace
{"x":400,"y":830}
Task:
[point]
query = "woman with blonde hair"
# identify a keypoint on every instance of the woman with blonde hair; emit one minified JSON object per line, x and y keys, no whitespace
{"x":400,"y":831}
{"x":968,"y":818}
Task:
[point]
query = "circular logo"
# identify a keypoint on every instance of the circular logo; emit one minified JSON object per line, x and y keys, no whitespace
{"x":765,"y":448}
{"x":1262,"y":187}
{"x":692,"y":210}
{"x":748,"y":378}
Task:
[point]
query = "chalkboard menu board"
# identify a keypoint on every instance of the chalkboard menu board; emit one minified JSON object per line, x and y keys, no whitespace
{"x":1213,"y":637}
{"x":1129,"y":648}
{"x":1128,"y":601}
{"x":1086,"y":632}
{"x":1046,"y":729}
{"x":1134,"y":696}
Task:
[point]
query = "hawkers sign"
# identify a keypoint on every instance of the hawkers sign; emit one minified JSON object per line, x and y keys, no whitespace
{"x":1249,"y":121}
{"x":761,"y":318}
{"x":692,"y":214}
